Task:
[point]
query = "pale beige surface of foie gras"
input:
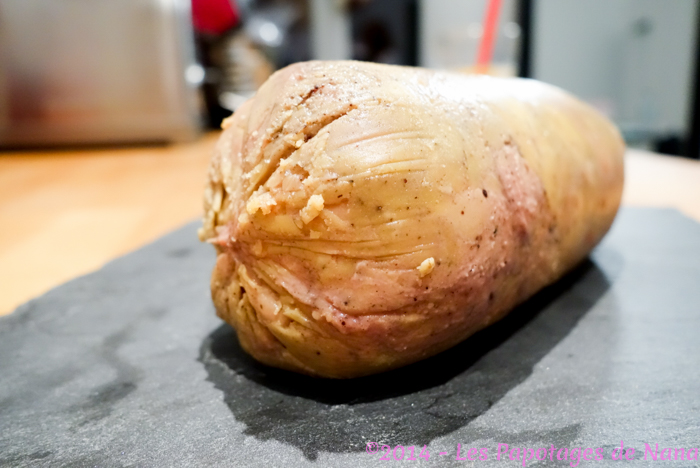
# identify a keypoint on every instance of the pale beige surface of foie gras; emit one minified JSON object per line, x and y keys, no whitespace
{"x":368,"y":216}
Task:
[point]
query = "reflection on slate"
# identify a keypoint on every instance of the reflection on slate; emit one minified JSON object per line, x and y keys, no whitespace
{"x":129,"y":366}
{"x":415,"y":404}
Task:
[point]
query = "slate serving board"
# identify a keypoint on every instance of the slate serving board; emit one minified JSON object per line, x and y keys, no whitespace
{"x":129,"y":366}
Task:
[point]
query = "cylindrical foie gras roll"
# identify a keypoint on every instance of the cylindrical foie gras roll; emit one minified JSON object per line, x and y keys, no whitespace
{"x":368,"y":216}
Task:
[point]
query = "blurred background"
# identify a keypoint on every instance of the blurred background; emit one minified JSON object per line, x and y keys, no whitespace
{"x":78,"y":72}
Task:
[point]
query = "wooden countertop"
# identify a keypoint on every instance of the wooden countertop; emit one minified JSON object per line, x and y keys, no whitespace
{"x":66,"y":213}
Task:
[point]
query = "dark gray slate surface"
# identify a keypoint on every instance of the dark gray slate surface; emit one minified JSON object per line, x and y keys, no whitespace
{"x":130,"y":367}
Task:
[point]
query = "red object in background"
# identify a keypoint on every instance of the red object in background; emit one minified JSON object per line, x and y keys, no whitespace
{"x":488,"y":37}
{"x":214,"y":16}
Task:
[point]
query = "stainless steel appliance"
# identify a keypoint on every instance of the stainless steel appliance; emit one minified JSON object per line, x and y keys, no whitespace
{"x":97,"y":71}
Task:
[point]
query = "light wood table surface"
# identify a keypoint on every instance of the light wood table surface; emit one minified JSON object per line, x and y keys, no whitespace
{"x":66,"y":213}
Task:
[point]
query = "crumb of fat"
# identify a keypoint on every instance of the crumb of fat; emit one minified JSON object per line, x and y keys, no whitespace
{"x":227,"y":122}
{"x":258,"y":249}
{"x":243,"y":219}
{"x":426,"y":267}
{"x":217,"y":199}
{"x":313,"y":208}
{"x":263,"y":202}
{"x":299,"y":143}
{"x":314,"y":234}
{"x":316,"y":202}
